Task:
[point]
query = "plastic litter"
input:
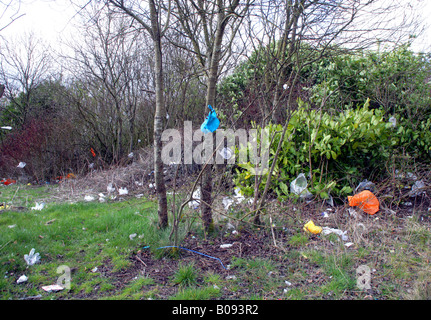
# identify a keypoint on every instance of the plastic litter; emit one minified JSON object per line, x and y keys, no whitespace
{"x":365,"y":185}
{"x":226,"y":153}
{"x":311,"y":227}
{"x":130,"y":155}
{"x":393,"y":121}
{"x":366,"y":201}
{"x":4,"y":206}
{"x":132,"y":236}
{"x":225,"y":246}
{"x":417,"y":189}
{"x":342,"y":234}
{"x":21,"y":165}
{"x":211,"y":122}
{"x":88,"y":198}
{"x":38,"y":206}
{"x":110,"y":188}
{"x":123,"y":191}
{"x":227,"y":202}
{"x":32,"y":258}
{"x":238,"y":196}
{"x":22,"y":279}
{"x":6,"y":128}
{"x":7,"y":181}
{"x":52,"y":288}
{"x":299,"y":187}
{"x":194,"y":204}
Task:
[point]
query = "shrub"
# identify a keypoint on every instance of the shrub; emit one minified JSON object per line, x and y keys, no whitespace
{"x":335,"y":151}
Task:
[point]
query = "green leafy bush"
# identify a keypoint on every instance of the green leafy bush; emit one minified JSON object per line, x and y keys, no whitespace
{"x":335,"y":151}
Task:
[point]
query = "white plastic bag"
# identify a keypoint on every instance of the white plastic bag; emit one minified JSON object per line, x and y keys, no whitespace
{"x":299,"y":187}
{"x":194,"y":204}
{"x":32,"y":258}
{"x":417,"y":188}
{"x":38,"y":206}
{"x":340,"y":233}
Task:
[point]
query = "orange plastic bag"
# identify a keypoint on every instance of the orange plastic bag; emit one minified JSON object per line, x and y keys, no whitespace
{"x":366,"y":201}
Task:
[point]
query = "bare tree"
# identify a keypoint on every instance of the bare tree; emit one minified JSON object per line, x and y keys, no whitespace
{"x":111,"y":65}
{"x":25,"y":64}
{"x":149,"y":18}
{"x":205,"y":25}
{"x":11,"y":8}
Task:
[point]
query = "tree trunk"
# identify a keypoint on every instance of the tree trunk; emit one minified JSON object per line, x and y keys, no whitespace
{"x":158,"y":120}
{"x":206,"y":184}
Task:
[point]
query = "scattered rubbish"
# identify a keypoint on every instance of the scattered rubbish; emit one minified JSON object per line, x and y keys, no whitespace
{"x":393,"y":121}
{"x":366,"y":201}
{"x":132,"y":236}
{"x":22,"y":279}
{"x":4,"y":206}
{"x":342,"y":234}
{"x":288,"y":283}
{"x":238,"y":196}
{"x":227,"y":202}
{"x":52,"y":288}
{"x":225,"y":246}
{"x":226,"y":153}
{"x":352,"y":212}
{"x":6,"y":128}
{"x":12,"y":226}
{"x":348,"y":244}
{"x":311,"y":227}
{"x":151,"y":185}
{"x":417,"y":189}
{"x":89,"y":198}
{"x":408,"y":204}
{"x":94,"y":269}
{"x":325,"y":214}
{"x":7,"y":182}
{"x":202,"y":254}
{"x":365,"y":185}
{"x":21,"y":165}
{"x":123,"y":191}
{"x":211,"y":122}
{"x":330,"y":201}
{"x":130,"y":155}
{"x":93,"y":153}
{"x":194,"y":204}
{"x":38,"y":206}
{"x":299,"y":187}
{"x":110,"y":188}
{"x":32,"y":258}
{"x":91,"y":166}
{"x":231,"y":277}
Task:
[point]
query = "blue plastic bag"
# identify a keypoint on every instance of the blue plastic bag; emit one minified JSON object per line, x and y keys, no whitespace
{"x":211,"y":122}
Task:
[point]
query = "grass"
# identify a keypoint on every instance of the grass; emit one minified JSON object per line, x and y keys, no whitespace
{"x":82,"y":236}
{"x":93,"y":240}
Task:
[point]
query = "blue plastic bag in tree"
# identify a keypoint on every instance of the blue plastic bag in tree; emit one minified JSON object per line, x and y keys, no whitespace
{"x":211,"y":122}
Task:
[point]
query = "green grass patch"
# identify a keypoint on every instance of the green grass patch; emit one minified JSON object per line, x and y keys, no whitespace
{"x":81,"y":236}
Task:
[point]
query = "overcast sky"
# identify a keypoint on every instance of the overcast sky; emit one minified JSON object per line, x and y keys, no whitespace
{"x":52,"y":20}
